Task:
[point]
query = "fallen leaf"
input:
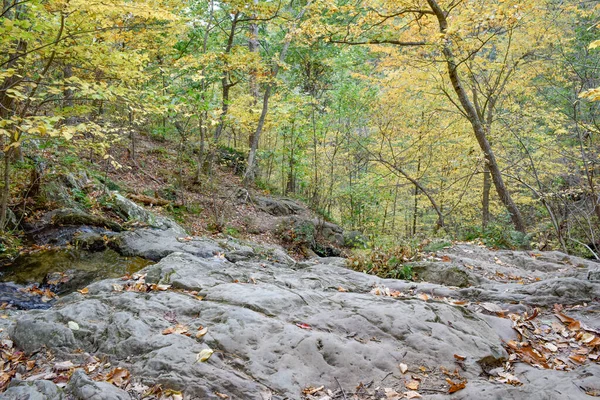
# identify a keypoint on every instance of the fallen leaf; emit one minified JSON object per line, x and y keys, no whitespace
{"x":303,"y":326}
{"x":117,"y":288}
{"x":456,"y":386}
{"x":460,"y":358}
{"x":341,"y":289}
{"x":179,"y":329}
{"x":578,"y":358}
{"x":84,"y":291}
{"x":403,"y":367}
{"x":221,"y":395}
{"x":74,"y":326}
{"x":412,"y":385}
{"x":312,"y":390}
{"x":204,"y":355}
{"x":412,"y":395}
{"x":391,"y":394}
{"x":118,"y":376}
{"x":63,"y":366}
{"x":201,"y":332}
{"x":552,"y":347}
{"x":587,"y":337}
{"x":423,"y":296}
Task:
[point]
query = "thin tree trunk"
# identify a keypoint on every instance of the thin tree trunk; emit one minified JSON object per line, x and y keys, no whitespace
{"x":478,"y":128}
{"x":250,"y":174}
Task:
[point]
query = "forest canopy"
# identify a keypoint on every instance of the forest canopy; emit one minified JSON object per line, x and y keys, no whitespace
{"x":397,"y":118}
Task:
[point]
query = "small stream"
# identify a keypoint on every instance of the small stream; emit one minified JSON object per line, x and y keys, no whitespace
{"x":62,"y":271}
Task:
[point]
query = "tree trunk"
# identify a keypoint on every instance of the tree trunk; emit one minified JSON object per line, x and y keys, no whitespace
{"x":476,"y":123}
{"x":250,"y":174}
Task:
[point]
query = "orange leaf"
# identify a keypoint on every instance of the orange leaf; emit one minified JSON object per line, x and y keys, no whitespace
{"x":118,"y":376}
{"x":456,"y":386}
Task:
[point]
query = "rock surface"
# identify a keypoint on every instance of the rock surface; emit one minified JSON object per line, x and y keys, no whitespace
{"x":277,"y":328}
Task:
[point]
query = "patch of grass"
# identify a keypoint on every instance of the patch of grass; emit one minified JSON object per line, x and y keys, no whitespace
{"x":232,"y":231}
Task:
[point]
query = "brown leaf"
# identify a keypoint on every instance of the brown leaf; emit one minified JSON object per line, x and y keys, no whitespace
{"x":412,"y":395}
{"x":412,"y":385}
{"x":460,"y":358}
{"x":312,"y":390}
{"x":341,"y":289}
{"x":118,"y":376}
{"x":455,"y":386}
{"x":179,"y":328}
{"x":84,"y":291}
{"x":578,"y":358}
{"x":221,"y":395}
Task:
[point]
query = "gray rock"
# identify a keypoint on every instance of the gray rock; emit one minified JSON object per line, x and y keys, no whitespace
{"x":155,"y":244}
{"x":83,"y":388}
{"x":277,"y":328}
{"x":132,"y":211}
{"x":37,"y":390}
{"x":278,"y":207}
{"x":446,"y":274}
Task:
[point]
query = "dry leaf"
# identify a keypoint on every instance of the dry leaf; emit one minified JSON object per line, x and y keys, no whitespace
{"x":552,"y":347}
{"x":84,"y":291}
{"x":74,"y":326}
{"x":201,"y":332}
{"x":456,"y":386}
{"x":118,"y":376}
{"x":578,"y":358}
{"x":179,"y":328}
{"x":412,"y":385}
{"x":303,"y":326}
{"x":63,"y":366}
{"x":403,"y":367}
{"x":412,"y":395}
{"x":221,"y":395}
{"x":460,"y":358}
{"x":391,"y":394}
{"x":204,"y":355}
{"x":312,"y":390}
{"x":423,"y":296}
{"x":341,"y":289}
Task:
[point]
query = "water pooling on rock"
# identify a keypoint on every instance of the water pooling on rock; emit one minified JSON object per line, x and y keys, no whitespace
{"x":61,"y":271}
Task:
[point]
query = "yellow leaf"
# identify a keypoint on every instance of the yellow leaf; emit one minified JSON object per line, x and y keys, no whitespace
{"x":204,"y":355}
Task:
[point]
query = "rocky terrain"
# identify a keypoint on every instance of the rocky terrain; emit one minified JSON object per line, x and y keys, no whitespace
{"x":218,"y":319}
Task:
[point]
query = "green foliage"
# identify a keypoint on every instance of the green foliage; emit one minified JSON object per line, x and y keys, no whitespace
{"x":385,"y":262}
{"x":499,"y":235}
{"x":299,"y":236}
{"x":232,"y":231}
{"x":81,"y":197}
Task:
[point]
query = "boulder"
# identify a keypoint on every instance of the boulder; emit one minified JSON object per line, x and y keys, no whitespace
{"x":447,"y":274}
{"x":155,"y":244}
{"x":81,"y":387}
{"x":36,"y":390}
{"x":131,"y":211}
{"x":278,"y":207}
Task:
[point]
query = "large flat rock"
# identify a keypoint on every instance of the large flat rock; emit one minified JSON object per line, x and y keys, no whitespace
{"x":277,"y":329}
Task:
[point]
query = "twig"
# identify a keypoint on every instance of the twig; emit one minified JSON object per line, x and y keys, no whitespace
{"x":385,"y":377}
{"x":587,"y":247}
{"x":341,"y":388}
